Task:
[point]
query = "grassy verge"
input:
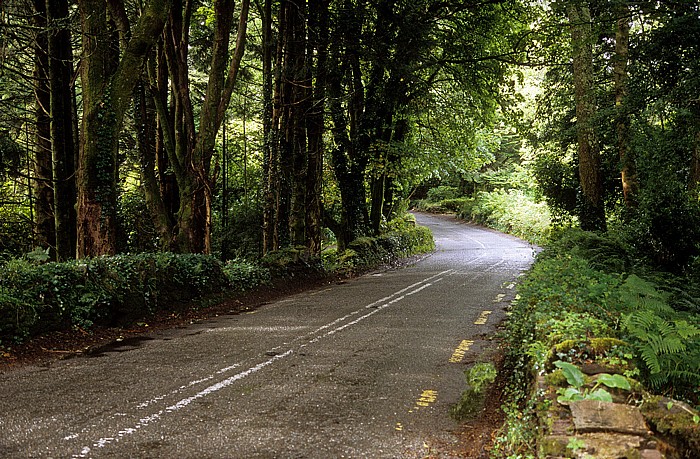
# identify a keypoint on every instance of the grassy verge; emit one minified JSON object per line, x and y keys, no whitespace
{"x":584,"y":303}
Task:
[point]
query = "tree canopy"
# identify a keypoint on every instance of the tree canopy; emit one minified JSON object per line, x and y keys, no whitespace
{"x":243,"y":128}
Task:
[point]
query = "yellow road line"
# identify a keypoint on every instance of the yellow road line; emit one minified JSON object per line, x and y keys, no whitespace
{"x":462,"y":349}
{"x":483,"y":318}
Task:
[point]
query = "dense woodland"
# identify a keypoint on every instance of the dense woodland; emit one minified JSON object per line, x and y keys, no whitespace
{"x":239,"y":128}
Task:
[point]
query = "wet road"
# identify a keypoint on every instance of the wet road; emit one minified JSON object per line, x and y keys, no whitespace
{"x":366,"y":368}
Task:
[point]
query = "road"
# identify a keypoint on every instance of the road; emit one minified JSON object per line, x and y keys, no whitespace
{"x":365,"y":368}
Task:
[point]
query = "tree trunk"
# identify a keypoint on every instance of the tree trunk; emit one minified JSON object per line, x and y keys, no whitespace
{"x":107,"y":92}
{"x":592,"y":213}
{"x":44,"y":223}
{"x":694,"y":180}
{"x":318,"y":32}
{"x":348,"y":159}
{"x":269,"y":148}
{"x":190,"y":148}
{"x":147,"y":136}
{"x":297,"y":78}
{"x":627,"y":159}
{"x":62,"y":141}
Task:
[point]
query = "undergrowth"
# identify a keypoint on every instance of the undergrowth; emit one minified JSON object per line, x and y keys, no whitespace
{"x":37,"y":296}
{"x":585,"y":300}
{"x":511,"y":211}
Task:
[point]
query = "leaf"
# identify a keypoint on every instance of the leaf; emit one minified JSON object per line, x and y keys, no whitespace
{"x":573,"y":375}
{"x":600,"y":395}
{"x":570,"y":394}
{"x":614,"y":381}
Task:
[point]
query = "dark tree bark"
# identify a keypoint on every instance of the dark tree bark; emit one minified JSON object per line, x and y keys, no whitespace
{"x":270,"y":177}
{"x":592,"y":213}
{"x":348,"y":159}
{"x":297,"y":83}
{"x":630,"y":187}
{"x":294,"y":153}
{"x":318,"y":32}
{"x":107,"y":91}
{"x":62,"y":140}
{"x":44,"y":223}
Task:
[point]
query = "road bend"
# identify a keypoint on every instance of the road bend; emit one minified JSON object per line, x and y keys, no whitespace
{"x":367,"y":368}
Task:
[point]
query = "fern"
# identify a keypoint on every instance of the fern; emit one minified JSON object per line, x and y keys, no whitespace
{"x":667,"y":348}
{"x":667,"y":341}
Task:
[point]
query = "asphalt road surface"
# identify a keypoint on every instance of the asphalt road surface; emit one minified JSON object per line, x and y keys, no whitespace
{"x":368,"y":368}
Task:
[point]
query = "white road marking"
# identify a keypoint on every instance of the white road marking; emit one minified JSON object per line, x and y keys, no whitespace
{"x":143,"y":422}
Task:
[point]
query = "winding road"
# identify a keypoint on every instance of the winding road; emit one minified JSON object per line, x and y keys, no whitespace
{"x":367,"y":368}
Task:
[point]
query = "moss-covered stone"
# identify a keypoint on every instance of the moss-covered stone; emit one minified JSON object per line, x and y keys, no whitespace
{"x":675,"y":424}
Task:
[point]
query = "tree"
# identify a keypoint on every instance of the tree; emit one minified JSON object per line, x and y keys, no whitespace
{"x":630,"y":187}
{"x":189,"y":140}
{"x":108,"y":77}
{"x":294,"y":136}
{"x":592,"y":214}
{"x":62,"y":115}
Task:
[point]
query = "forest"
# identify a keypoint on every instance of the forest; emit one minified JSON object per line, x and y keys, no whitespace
{"x":219,"y":131}
{"x":239,"y":129}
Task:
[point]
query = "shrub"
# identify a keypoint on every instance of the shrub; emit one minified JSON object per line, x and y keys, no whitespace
{"x":442,"y":192}
{"x":244,"y":275}
{"x":37,"y":298}
{"x":512,"y":212}
{"x":403,"y":239}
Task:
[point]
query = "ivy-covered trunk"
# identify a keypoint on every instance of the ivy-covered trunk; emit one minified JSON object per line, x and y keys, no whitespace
{"x":107,"y":90}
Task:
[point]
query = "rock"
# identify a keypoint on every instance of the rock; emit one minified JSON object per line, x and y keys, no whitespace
{"x":597,"y":416}
{"x":603,"y":445}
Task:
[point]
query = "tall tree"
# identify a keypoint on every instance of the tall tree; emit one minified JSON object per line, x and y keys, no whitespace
{"x":294,"y":154}
{"x":190,"y":140}
{"x":107,"y":86}
{"x":44,"y":222}
{"x":62,"y":114}
{"x":630,"y":187}
{"x":592,"y":213}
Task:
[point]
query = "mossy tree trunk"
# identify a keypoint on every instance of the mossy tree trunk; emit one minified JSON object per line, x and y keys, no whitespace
{"x":294,"y":153}
{"x":592,"y":211}
{"x":62,"y":140}
{"x":107,"y":91}
{"x":630,"y":186}
{"x":190,"y":147}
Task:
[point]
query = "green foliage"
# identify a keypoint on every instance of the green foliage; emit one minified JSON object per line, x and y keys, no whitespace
{"x":241,"y":236}
{"x":576,"y":379}
{"x":15,"y":222}
{"x":667,"y":342}
{"x":605,"y":253}
{"x":402,"y":239}
{"x":572,"y":373}
{"x":443,"y":192}
{"x":37,"y":298}
{"x":512,"y":212}
{"x":11,"y":154}
{"x":479,"y":377}
{"x":244,"y":275}
{"x":562,"y":317}
{"x":446,"y":205}
{"x":137,"y":232}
